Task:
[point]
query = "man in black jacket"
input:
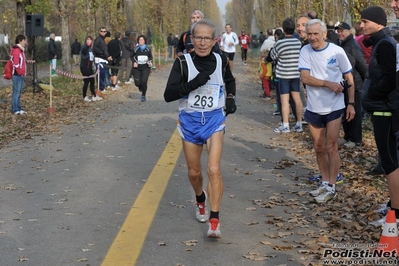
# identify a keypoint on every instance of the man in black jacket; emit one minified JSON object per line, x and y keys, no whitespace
{"x":353,"y":129}
{"x":170,"y":45}
{"x":126,"y":61}
{"x":75,"y":51}
{"x":101,"y":56}
{"x":115,"y":51}
{"x":380,"y":95}
{"x":52,"y":54}
{"x":332,"y":36}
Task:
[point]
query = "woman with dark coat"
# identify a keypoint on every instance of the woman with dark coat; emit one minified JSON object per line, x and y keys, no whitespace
{"x":86,"y":68}
{"x":142,"y":63}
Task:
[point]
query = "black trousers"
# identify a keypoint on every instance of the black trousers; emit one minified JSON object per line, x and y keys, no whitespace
{"x":141,"y":78}
{"x":244,"y":54}
{"x":353,"y":129}
{"x":385,"y":138}
{"x":88,"y":81}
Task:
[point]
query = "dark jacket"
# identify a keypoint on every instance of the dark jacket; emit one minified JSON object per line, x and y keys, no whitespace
{"x":169,"y":40}
{"x":138,"y":52}
{"x":379,"y":92}
{"x":179,"y":75}
{"x":175,"y":42}
{"x":75,"y":48}
{"x":332,"y":36}
{"x":359,"y":65}
{"x":85,"y":61}
{"x":127,"y":47}
{"x":115,"y":50}
{"x":100,"y":49}
{"x":52,"y":49}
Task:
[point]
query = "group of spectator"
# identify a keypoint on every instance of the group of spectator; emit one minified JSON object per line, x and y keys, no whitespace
{"x":118,"y":60}
{"x":172,"y":44}
{"x":346,"y":71}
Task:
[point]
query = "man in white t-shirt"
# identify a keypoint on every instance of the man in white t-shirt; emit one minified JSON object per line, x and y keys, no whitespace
{"x":228,"y":44}
{"x":268,"y":43}
{"x":322,"y":65}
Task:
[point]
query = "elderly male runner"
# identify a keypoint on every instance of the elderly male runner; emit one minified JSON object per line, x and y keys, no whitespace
{"x":322,"y":65}
{"x":200,"y":80}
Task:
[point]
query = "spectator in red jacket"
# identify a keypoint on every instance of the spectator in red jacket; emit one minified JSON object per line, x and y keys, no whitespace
{"x":244,"y":40}
{"x":19,"y":73}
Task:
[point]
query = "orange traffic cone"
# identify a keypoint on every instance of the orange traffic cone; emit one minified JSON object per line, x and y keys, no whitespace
{"x":389,"y":240}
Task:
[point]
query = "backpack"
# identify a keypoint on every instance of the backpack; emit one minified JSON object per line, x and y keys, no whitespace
{"x":8,"y":69}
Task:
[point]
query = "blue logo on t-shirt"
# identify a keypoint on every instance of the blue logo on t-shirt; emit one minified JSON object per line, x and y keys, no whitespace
{"x":332,"y":61}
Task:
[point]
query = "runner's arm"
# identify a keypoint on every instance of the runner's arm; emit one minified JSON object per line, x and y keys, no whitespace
{"x":177,"y":85}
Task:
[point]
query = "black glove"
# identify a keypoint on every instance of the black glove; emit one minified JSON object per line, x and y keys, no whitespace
{"x":200,"y":80}
{"x":345,"y":85}
{"x":230,"y":106}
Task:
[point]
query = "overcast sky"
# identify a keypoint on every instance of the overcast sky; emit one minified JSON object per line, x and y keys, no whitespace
{"x":222,"y":4}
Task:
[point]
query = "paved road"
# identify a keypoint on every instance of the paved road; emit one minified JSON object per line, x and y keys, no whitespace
{"x":64,"y":198}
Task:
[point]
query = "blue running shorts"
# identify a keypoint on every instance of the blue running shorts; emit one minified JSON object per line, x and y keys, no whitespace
{"x":321,"y":121}
{"x":198,"y":127}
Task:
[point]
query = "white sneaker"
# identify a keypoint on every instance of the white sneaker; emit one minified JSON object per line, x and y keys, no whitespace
{"x":320,"y":190}
{"x":381,"y":222}
{"x":349,"y":144}
{"x":17,"y":113}
{"x":87,"y":99}
{"x":116,"y":88}
{"x":119,"y":81}
{"x":97,"y":98}
{"x":282,"y":129}
{"x":22,"y":112}
{"x":326,"y":196}
{"x":297,"y":128}
{"x":131,"y":80}
{"x":128,"y":82}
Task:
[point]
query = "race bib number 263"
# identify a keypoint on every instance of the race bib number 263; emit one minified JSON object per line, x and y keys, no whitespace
{"x":205,"y":97}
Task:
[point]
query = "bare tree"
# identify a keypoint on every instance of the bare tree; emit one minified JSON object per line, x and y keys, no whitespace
{"x":66,"y":48}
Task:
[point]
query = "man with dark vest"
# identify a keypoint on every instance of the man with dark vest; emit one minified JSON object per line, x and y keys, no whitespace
{"x":380,"y":95}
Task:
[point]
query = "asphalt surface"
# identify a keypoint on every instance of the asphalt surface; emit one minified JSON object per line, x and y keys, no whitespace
{"x":64,"y":197}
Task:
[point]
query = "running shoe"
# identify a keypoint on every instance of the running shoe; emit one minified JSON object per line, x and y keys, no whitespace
{"x":319,"y":190}
{"x":276,"y":113}
{"x":316,"y":178}
{"x":96,"y":98}
{"x":201,"y":211}
{"x":383,"y":209}
{"x":282,"y":129}
{"x":297,"y":128}
{"x":214,"y":228}
{"x":326,"y":196}
{"x":381,"y":222}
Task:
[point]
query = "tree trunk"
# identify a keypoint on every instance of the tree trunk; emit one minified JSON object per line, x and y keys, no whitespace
{"x":21,"y":15}
{"x":66,"y":47}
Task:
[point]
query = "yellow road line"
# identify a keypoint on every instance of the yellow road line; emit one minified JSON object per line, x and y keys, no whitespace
{"x":127,"y":245}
